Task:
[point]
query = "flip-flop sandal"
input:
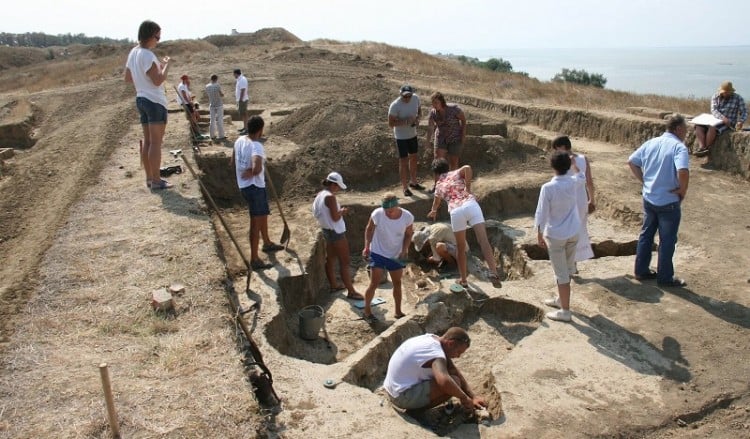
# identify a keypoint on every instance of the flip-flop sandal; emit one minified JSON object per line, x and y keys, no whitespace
{"x":355,"y":297}
{"x":337,"y":289}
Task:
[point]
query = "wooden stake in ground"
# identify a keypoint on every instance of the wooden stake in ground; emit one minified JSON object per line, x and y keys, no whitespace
{"x":111,"y":413}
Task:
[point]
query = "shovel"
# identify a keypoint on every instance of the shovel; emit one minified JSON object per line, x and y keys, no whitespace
{"x":284,"y":240}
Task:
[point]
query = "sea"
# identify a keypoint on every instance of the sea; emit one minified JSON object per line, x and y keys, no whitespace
{"x":691,"y":72}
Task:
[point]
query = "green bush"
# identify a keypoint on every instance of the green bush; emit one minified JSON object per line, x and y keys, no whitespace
{"x":580,"y":77}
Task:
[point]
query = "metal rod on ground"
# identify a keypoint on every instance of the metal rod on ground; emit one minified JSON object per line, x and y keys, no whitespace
{"x":111,"y":413}
{"x":286,"y":233}
{"x":221,"y":219}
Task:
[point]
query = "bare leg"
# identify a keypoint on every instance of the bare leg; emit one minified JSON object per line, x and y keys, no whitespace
{"x":375,"y":275}
{"x":489,"y":256}
{"x":437,"y":396}
{"x":700,"y":136}
{"x":710,"y":136}
{"x":144,"y":152}
{"x":156,"y":136}
{"x":264,"y":230}
{"x":257,"y":223}
{"x":413,"y":167}
{"x":341,"y":247}
{"x":442,"y":251}
{"x":403,"y":171}
{"x":331,"y":255}
{"x":396,"y":280}
{"x":463,"y":267}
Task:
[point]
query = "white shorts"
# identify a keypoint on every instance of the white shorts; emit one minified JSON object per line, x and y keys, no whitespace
{"x":468,"y":214}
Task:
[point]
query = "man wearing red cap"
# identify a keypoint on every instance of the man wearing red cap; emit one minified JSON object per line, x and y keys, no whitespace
{"x":186,"y":99}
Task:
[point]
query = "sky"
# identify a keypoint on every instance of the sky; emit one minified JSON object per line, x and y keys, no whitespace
{"x":430,"y":26}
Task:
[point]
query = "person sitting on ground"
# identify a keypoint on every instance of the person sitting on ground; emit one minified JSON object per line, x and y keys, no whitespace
{"x":585,"y":198}
{"x":442,"y":242}
{"x":421,"y":373}
{"x":727,"y":106}
{"x":330,"y":216}
{"x":455,"y":188}
{"x":387,"y":237}
{"x":249,"y":158}
{"x":558,"y":226}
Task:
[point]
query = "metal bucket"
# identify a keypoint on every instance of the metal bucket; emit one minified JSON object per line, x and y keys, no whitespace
{"x":311,"y":319}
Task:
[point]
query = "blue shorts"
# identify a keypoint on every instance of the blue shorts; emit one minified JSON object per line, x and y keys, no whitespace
{"x":407,"y":146}
{"x":387,"y":264}
{"x":151,"y":113}
{"x":257,"y":200}
{"x":332,"y":236}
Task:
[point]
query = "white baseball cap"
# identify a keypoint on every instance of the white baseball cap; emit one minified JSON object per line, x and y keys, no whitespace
{"x":335,"y":177}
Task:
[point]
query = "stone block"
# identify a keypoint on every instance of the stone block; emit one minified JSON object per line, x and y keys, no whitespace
{"x":161,"y":300}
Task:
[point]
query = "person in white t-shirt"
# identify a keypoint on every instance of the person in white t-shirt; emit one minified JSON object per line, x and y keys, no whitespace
{"x":330,"y":215}
{"x":421,"y":373}
{"x":387,"y":237}
{"x":242,"y":98}
{"x":144,"y":70}
{"x":187,"y":100}
{"x":249,"y":158}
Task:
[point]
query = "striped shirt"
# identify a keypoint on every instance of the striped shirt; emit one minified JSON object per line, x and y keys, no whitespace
{"x":213,"y":90}
{"x":732,"y":107}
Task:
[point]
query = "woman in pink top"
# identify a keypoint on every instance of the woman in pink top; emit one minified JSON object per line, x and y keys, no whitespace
{"x":455,"y":188}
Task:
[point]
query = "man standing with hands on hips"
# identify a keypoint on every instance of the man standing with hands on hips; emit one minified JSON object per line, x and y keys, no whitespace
{"x":662,"y":166}
{"x":403,"y":117}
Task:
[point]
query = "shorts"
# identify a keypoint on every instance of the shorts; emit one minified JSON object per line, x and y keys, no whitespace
{"x":452,"y":148}
{"x":331,"y":235}
{"x":562,"y":254}
{"x":242,"y":108}
{"x":415,"y":397}
{"x":468,"y":213}
{"x":407,"y":146}
{"x":720,"y":129}
{"x":151,"y":113}
{"x":387,"y":264}
{"x":257,"y":200}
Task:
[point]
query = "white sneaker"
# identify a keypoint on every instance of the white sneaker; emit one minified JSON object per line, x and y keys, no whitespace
{"x":560,"y":315}
{"x":554,"y":303}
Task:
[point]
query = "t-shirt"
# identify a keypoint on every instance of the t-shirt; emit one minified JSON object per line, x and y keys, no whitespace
{"x":404,"y":110}
{"x":140,"y":60}
{"x":388,"y":239}
{"x":406,"y":366}
{"x":241,"y":83}
{"x":244,"y":151}
{"x":322,"y":213}
{"x":184,"y":88}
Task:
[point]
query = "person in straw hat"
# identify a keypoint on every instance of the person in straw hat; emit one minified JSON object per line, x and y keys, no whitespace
{"x":727,"y":106}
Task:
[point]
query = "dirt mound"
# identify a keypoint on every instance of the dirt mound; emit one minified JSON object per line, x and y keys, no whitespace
{"x":17,"y":119}
{"x":262,"y":36}
{"x":310,"y":53}
{"x":21,"y":56}
{"x":178,"y":47}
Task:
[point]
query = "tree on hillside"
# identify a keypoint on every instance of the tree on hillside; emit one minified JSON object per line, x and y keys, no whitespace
{"x":39,"y":39}
{"x":580,"y":77}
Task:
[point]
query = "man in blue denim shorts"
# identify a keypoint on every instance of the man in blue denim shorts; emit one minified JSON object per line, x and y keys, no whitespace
{"x":249,"y":160}
{"x":421,"y":373}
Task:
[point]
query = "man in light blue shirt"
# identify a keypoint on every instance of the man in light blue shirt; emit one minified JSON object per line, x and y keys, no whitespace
{"x":661,"y":165}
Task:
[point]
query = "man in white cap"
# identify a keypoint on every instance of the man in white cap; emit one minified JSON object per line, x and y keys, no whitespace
{"x":442,"y":242}
{"x":403,"y":117}
{"x":727,"y":106}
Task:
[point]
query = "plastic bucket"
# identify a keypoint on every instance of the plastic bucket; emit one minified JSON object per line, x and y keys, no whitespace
{"x":311,"y":319}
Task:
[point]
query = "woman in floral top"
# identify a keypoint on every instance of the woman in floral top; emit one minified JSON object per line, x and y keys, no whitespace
{"x":455,"y":188}
{"x":446,"y":129}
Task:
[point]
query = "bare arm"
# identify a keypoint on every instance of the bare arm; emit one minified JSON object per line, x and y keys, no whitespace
{"x":466,"y":172}
{"x":448,"y":385}
{"x":369,"y":233}
{"x":589,"y":184}
{"x":336,"y":214}
{"x":435,"y":206}
{"x":408,"y":233}
{"x":128,"y":75}
{"x":158,"y":73}
{"x":683,"y":176}
{"x":637,"y":171}
{"x":462,"y":121}
{"x":256,"y":169}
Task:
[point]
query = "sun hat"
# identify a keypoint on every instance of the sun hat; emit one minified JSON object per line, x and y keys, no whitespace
{"x":420,"y":238}
{"x":406,"y":89}
{"x":335,"y":177}
{"x":726,"y":87}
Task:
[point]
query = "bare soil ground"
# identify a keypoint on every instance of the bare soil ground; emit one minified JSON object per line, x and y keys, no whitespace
{"x":83,"y":243}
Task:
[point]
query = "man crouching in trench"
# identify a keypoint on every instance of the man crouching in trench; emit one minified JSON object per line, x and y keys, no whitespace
{"x":421,"y":374}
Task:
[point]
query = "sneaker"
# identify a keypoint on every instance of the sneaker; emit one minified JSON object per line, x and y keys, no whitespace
{"x":416,"y":186}
{"x":407,"y":193}
{"x":554,"y":303}
{"x":269,"y":248}
{"x":646,"y":276}
{"x":161,"y":184}
{"x":560,"y":315}
{"x":675,"y":282}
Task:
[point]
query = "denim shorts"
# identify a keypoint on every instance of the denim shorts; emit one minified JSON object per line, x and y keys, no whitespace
{"x":151,"y":113}
{"x":257,"y":200}
{"x":332,"y":236}
{"x":387,"y":264}
{"x":415,"y":397}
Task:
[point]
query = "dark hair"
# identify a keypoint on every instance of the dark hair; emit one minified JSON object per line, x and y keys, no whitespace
{"x":674,"y":121}
{"x":214,"y":77}
{"x":439,"y":96}
{"x":560,"y":162}
{"x":146,"y":30}
{"x":327,"y":182}
{"x":561,"y":141}
{"x":255,"y":124}
{"x":237,"y":71}
{"x":440,"y":166}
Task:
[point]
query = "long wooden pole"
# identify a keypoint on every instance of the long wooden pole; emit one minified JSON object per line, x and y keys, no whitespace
{"x":111,"y":413}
